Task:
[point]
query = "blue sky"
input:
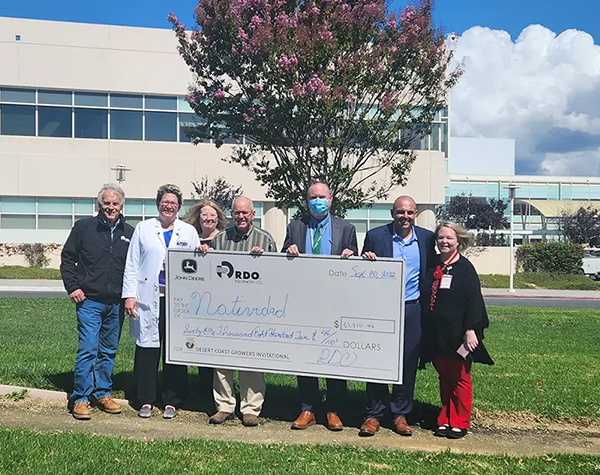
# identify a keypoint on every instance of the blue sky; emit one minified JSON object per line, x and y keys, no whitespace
{"x":455,"y":15}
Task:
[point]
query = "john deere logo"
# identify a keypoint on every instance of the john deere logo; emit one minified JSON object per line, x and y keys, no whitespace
{"x":189,"y":266}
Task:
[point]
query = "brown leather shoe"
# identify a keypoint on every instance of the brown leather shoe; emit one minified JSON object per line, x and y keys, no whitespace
{"x":304,"y":420}
{"x":249,"y":420}
{"x":221,"y":417}
{"x":81,"y":411}
{"x":401,"y":426}
{"x":108,"y":404}
{"x":369,"y":427}
{"x":334,"y":422}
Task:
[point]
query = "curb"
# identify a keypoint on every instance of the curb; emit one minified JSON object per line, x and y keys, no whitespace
{"x":8,"y":288}
{"x":43,"y":393}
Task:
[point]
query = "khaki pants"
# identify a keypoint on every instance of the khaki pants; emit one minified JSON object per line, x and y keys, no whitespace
{"x":252,"y":391}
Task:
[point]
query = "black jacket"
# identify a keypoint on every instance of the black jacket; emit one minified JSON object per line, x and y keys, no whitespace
{"x":457,"y":309}
{"x":90,"y":261}
{"x":343,"y":235}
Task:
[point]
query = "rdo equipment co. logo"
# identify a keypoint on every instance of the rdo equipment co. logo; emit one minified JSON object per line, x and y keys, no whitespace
{"x":227,"y":269}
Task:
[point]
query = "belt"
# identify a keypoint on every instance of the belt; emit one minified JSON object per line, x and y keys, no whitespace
{"x":411,"y":302}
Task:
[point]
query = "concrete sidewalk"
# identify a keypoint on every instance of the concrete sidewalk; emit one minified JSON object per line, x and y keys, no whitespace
{"x":542,"y":293}
{"x":29,"y":285}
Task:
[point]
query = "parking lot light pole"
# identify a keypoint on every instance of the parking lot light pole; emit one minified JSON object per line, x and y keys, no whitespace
{"x":121,"y":169}
{"x":512,"y":190}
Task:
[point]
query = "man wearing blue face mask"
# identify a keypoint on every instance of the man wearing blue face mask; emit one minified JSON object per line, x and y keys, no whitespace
{"x":320,"y":233}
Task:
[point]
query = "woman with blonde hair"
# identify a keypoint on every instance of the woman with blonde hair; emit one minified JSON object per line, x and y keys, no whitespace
{"x":208,"y":218}
{"x":453,"y":320}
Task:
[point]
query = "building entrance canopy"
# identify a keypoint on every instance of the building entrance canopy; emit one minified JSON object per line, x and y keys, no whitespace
{"x":557,"y":208}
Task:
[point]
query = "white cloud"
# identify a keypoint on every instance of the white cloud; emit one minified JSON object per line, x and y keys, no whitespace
{"x":542,"y":90}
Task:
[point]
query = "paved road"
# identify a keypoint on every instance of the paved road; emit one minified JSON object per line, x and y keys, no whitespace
{"x":500,"y":297}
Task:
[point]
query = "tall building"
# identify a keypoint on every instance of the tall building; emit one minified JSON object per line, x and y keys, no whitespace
{"x":540,"y":201}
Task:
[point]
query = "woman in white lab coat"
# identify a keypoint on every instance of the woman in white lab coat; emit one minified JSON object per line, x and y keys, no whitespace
{"x":143,"y":291}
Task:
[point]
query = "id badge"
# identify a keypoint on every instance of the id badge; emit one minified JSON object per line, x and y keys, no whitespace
{"x":446,"y":282}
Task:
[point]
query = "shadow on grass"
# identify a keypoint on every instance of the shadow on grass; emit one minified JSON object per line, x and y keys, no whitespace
{"x":282,"y":402}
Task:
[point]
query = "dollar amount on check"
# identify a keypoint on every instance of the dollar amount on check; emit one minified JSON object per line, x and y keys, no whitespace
{"x":307,"y":315}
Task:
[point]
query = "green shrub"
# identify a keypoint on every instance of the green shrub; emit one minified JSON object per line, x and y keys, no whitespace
{"x":552,"y":257}
{"x":35,"y":254}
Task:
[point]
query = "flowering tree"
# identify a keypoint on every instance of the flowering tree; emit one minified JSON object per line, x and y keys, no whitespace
{"x":334,"y":90}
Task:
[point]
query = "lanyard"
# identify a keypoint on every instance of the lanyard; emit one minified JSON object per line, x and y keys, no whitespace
{"x":311,"y":234}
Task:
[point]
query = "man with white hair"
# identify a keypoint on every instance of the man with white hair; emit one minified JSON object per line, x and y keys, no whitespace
{"x":92,"y":266}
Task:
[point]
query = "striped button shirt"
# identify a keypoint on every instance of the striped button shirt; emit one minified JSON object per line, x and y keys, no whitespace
{"x":231,"y":239}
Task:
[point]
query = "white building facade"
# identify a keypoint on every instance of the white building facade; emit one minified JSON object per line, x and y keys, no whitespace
{"x":79,"y":100}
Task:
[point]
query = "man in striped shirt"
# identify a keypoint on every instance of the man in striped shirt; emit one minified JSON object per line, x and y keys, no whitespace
{"x":242,"y":236}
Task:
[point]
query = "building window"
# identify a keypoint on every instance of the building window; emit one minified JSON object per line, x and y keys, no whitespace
{"x":161,"y":127}
{"x":85,"y":206}
{"x":55,"y":222}
{"x":126,"y":125}
{"x":17,"y":221}
{"x":187,"y":123}
{"x":63,"y":98}
{"x":91,"y":99}
{"x":55,"y":205}
{"x":82,"y":114}
{"x":126,"y":101}
{"x":12,"y":204}
{"x":22,"y":96}
{"x":91,"y":123}
{"x":17,"y":120}
{"x":163,"y":103}
{"x":55,"y":122}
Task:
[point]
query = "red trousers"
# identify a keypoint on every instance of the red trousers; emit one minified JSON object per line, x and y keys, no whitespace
{"x":456,"y":391}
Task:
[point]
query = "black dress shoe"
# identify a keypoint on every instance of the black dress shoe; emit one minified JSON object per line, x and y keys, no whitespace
{"x":441,"y":431}
{"x":456,"y":433}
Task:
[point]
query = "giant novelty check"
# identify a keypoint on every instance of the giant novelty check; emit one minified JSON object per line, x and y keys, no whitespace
{"x":306,"y":315}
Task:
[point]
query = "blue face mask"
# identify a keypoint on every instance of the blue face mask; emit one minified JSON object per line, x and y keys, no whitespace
{"x":318,"y":207}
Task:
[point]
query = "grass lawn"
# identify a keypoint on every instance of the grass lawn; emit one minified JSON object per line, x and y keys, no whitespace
{"x":547,"y":362}
{"x":20,"y":272}
{"x":72,"y":454}
{"x":540,"y":281}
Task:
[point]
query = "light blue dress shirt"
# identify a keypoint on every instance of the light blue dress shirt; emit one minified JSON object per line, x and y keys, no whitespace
{"x":409,"y":251}
{"x":326,"y":242}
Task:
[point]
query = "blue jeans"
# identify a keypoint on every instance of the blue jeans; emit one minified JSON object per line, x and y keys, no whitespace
{"x":99,"y":328}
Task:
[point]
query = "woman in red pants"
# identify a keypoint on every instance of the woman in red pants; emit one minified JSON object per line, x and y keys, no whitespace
{"x":454,"y":317}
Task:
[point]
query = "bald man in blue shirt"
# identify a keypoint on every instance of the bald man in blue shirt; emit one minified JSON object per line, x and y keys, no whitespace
{"x":400,"y":239}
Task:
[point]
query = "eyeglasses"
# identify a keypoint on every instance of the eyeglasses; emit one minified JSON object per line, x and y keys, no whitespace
{"x":241,"y":213}
{"x":403,"y":211}
{"x":208,"y":216}
{"x":169,"y":203}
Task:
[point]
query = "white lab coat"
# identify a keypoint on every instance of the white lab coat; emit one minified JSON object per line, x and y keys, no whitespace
{"x":140,"y":281}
